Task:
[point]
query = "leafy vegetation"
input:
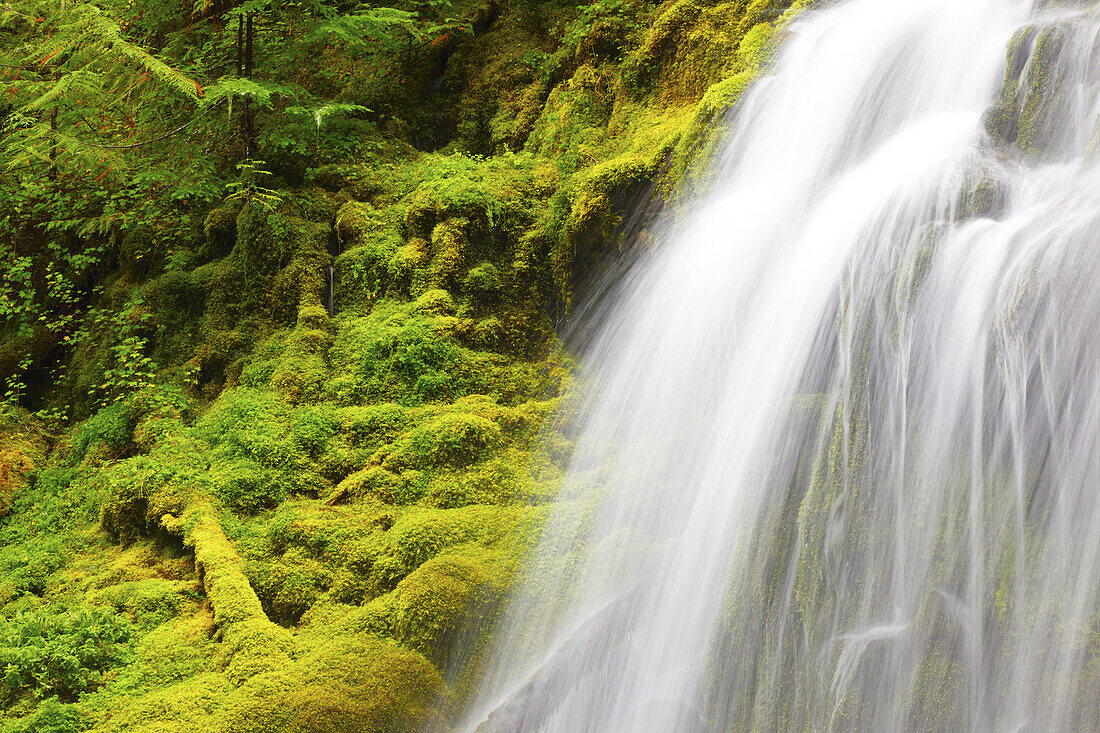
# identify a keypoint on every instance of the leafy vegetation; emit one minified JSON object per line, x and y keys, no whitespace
{"x":46,"y":654}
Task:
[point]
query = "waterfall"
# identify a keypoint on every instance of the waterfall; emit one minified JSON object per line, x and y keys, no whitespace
{"x":838,"y":466}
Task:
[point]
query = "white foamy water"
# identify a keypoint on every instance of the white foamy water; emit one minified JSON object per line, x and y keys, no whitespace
{"x":840,"y":465}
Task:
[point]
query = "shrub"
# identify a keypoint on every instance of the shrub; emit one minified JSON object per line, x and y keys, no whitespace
{"x":247,"y":486}
{"x":62,"y":654}
{"x":110,"y":427}
{"x":51,"y":716}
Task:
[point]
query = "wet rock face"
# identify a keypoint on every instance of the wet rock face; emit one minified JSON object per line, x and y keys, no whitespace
{"x":1050,"y":82}
{"x":1002,"y":119}
{"x":984,"y":196}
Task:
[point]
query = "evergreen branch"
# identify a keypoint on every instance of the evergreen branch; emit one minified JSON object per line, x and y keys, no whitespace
{"x":110,"y":34}
{"x":52,"y":95}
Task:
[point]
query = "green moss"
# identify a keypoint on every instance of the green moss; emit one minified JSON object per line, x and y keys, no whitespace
{"x":246,"y":486}
{"x":248,"y":424}
{"x":462,"y":195}
{"x":433,"y":603}
{"x":602,"y":196}
{"x":940,"y":695}
{"x":220,"y":228}
{"x":482,"y":281}
{"x":452,"y":438}
{"x":834,"y":490}
{"x":22,"y":450}
{"x":1043,"y":95}
{"x":191,"y":703}
{"x":1002,"y":119}
{"x":51,"y":717}
{"x":301,"y":281}
{"x":407,"y":354}
{"x":289,"y":586}
{"x":371,"y":243}
{"x":109,"y":429}
{"x":373,"y":425}
{"x":149,"y":602}
{"x":382,"y":484}
{"x":219,"y":568}
{"x":360,"y":684}
{"x":984,"y":197}
{"x":693,"y":44}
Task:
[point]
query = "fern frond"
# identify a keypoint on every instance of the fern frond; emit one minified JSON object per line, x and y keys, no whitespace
{"x":363,"y":28}
{"x":259,"y":91}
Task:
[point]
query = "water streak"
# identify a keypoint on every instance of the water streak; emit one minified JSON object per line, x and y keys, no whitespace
{"x":330,"y":289}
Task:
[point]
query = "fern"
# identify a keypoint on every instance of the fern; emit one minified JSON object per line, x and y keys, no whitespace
{"x":320,"y":114}
{"x":260,"y":92}
{"x":363,"y":29}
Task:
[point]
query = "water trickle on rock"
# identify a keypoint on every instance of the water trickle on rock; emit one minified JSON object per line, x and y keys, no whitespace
{"x":330,"y":289}
{"x":840,"y":466}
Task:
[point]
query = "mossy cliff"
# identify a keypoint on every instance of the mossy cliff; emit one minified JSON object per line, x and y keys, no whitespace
{"x":266,"y":516}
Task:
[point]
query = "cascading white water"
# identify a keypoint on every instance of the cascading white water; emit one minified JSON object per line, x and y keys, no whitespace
{"x":840,"y":467}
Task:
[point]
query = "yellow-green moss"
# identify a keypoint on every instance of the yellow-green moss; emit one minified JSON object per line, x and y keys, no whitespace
{"x":22,"y":450}
{"x":1043,"y":93}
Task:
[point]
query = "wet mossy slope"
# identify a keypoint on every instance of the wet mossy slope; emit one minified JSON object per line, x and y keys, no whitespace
{"x":235,"y":510}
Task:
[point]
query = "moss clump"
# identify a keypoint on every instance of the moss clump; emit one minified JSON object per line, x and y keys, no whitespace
{"x":983,"y":197}
{"x":433,"y":603}
{"x":453,"y":438}
{"x":370,"y":244}
{"x":51,"y":716}
{"x":22,"y":450}
{"x":300,"y":372}
{"x":703,"y":134}
{"x":289,"y":586}
{"x":1002,"y":119}
{"x":355,"y":683}
{"x":694,"y":44}
{"x":220,"y":229}
{"x":462,"y":197}
{"x":1044,"y":96}
{"x":1034,"y":96}
{"x":407,"y":354}
{"x":150,"y":602}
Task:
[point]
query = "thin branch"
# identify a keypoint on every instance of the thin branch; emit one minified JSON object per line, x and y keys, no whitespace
{"x":168,"y":134}
{"x":37,"y":68}
{"x":10,"y":9}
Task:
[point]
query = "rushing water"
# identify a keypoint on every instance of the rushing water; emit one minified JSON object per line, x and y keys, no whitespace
{"x":840,"y":467}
